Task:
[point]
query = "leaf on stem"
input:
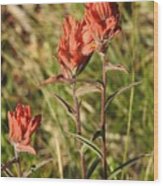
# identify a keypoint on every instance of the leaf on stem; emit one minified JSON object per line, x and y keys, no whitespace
{"x":56,"y":79}
{"x":88,"y":143}
{"x":92,"y":167}
{"x":82,"y":66}
{"x":118,"y":92}
{"x":115,"y":67}
{"x":97,"y":134}
{"x":65,"y":104}
{"x":89,"y":87}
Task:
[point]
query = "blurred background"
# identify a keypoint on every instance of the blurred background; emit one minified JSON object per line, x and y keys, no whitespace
{"x":30,"y":35}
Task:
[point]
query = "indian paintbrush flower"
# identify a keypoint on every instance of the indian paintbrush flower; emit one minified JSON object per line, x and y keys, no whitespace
{"x":81,"y":38}
{"x":102,"y":20}
{"x":21,"y":127}
{"x":75,"y":47}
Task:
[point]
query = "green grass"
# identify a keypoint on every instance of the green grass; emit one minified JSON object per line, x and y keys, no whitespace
{"x":29,"y":58}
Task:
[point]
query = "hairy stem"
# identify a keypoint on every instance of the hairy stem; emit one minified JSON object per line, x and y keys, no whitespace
{"x":78,"y":128}
{"x":17,"y":157}
{"x":103,"y":118}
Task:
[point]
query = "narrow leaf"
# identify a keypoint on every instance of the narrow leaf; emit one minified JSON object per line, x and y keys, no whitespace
{"x":115,"y":67}
{"x":97,"y":134}
{"x":88,"y":88}
{"x":127,"y":164}
{"x":82,"y":66}
{"x":92,"y":168}
{"x":88,"y":143}
{"x":118,"y":92}
{"x":56,"y":79}
{"x":65,"y":104}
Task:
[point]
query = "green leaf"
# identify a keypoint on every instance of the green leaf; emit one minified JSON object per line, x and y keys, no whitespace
{"x":97,"y":134}
{"x":82,"y":66}
{"x":65,"y":104}
{"x":89,"y":87}
{"x":127,"y":164}
{"x":115,"y":67}
{"x":92,"y":168}
{"x":88,"y":143}
{"x":118,"y":92}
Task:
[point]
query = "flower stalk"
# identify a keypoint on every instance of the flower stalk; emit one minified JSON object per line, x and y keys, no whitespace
{"x":78,"y":128}
{"x":103,"y":117}
{"x":17,"y":157}
{"x":79,"y":41}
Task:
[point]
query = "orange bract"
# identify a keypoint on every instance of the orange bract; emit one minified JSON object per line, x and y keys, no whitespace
{"x":75,"y":46}
{"x":21,"y":126}
{"x":102,"y":19}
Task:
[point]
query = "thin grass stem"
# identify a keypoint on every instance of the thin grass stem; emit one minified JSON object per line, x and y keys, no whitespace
{"x":133,"y":54}
{"x":128,"y":125}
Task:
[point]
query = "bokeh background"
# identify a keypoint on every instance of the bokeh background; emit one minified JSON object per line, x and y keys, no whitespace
{"x":30,"y":35}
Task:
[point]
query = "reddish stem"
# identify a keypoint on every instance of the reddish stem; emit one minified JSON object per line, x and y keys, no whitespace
{"x":103,"y":118}
{"x":78,"y":128}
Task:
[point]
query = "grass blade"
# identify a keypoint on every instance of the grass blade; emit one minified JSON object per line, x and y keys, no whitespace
{"x":59,"y":157}
{"x":38,"y":166}
{"x":127,"y":164}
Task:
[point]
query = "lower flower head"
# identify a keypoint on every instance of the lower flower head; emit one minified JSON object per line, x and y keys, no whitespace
{"x":21,"y":127}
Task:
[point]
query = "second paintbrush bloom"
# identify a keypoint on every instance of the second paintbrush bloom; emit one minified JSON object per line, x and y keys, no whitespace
{"x":102,"y":20}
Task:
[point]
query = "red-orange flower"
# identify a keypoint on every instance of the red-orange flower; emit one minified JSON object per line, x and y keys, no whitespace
{"x":21,"y":127}
{"x":102,"y":20}
{"x":75,"y":46}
